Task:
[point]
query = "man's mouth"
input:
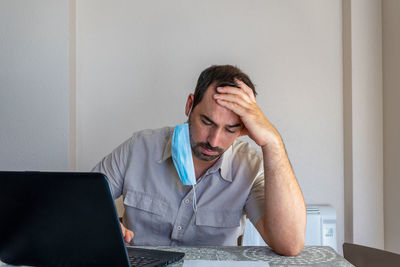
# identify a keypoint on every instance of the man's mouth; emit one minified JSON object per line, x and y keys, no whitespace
{"x":207,"y":151}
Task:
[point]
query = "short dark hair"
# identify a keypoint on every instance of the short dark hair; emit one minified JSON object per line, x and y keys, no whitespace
{"x":221,"y":74}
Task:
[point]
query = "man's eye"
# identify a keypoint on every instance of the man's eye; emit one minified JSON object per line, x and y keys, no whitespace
{"x":206,"y":122}
{"x":230,"y":131}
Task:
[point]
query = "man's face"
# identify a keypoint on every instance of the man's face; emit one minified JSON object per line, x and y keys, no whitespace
{"x":213,"y":128}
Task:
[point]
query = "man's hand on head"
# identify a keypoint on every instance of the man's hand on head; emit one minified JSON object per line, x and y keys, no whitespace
{"x":243,"y":103}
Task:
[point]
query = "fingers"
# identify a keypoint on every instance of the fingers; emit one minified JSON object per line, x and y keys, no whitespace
{"x":231,"y":98}
{"x":240,"y":96}
{"x":234,"y":91}
{"x":128,"y":234}
{"x":245,"y":88}
{"x":235,"y":107}
{"x":123,"y":229}
{"x":235,"y":99}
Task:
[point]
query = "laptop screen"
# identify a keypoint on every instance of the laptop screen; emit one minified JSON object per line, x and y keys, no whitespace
{"x":59,"y":219}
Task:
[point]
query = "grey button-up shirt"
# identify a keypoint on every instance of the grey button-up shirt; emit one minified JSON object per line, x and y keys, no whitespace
{"x":159,"y":208}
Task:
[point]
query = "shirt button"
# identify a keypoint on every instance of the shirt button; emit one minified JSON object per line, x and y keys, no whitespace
{"x":179,"y":228}
{"x":187,"y":201}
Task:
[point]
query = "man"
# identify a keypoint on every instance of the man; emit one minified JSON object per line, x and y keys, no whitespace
{"x":234,"y":180}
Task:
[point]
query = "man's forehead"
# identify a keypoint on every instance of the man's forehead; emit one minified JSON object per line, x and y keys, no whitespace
{"x":218,"y":114}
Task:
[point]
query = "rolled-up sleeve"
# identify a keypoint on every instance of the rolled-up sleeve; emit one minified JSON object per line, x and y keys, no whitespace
{"x":114,"y":167}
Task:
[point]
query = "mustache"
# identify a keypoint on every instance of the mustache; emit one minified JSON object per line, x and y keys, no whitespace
{"x":209,"y":147}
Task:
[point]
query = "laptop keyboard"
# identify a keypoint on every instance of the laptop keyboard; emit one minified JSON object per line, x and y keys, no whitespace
{"x":150,"y":257}
{"x":141,"y":261}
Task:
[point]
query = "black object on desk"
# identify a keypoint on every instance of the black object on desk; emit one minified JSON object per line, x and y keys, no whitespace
{"x":369,"y":257}
{"x":64,"y":219}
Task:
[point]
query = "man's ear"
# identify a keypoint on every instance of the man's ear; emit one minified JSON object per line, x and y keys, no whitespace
{"x":189,"y":104}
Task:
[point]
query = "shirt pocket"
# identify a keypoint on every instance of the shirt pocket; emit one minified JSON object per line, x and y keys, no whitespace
{"x":218,"y":227}
{"x":147,"y":216}
{"x":145,"y":202}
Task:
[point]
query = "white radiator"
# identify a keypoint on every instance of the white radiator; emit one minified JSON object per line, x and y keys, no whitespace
{"x":320,"y":229}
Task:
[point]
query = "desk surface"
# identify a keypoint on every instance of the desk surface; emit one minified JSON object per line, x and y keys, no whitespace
{"x":309,"y":256}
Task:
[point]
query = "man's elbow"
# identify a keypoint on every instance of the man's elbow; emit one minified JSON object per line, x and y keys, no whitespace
{"x":292,"y":248}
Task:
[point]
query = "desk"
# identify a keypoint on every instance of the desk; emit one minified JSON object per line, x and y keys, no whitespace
{"x":309,"y":256}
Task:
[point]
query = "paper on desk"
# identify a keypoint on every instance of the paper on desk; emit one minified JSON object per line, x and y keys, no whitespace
{"x":206,"y":263}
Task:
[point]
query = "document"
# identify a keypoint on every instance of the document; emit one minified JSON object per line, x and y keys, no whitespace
{"x":210,"y":263}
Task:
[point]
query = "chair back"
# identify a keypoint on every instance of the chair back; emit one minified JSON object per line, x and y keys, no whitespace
{"x":361,"y":256}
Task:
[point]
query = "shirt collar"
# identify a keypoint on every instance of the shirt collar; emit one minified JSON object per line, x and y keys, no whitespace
{"x":167,"y":149}
{"x":223,"y":164}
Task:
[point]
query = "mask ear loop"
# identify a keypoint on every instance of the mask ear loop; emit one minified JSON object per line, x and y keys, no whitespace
{"x":194,"y":186}
{"x":190,"y":111}
{"x":194,"y":200}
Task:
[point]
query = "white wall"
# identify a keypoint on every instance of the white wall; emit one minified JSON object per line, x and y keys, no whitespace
{"x":391,"y":99}
{"x":138,"y":60}
{"x":34,"y":54}
{"x":367,"y":123}
{"x":363,"y":122}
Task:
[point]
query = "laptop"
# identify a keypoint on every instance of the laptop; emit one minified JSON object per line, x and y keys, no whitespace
{"x":65,"y":219}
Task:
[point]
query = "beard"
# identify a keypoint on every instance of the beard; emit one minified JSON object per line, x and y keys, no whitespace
{"x":196,"y":148}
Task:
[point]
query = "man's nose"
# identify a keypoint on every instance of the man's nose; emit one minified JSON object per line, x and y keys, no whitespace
{"x":214,"y":137}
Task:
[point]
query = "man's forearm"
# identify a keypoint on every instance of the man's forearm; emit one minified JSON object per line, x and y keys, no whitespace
{"x":285,"y":212}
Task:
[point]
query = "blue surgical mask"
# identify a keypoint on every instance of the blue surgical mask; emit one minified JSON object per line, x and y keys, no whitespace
{"x":182,"y":157}
{"x":182,"y":154}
